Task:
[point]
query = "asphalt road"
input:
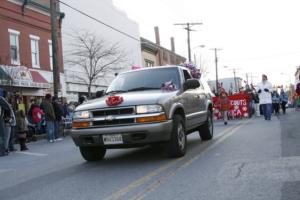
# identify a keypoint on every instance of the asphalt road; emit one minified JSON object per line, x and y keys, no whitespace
{"x":248,"y":159}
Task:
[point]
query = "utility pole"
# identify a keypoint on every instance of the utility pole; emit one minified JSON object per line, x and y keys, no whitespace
{"x":56,"y":78}
{"x":216,"y":61}
{"x":187,"y":26}
{"x":234,"y":76}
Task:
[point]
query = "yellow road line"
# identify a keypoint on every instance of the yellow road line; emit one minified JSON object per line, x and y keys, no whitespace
{"x":149,"y":176}
{"x":140,"y":181}
{"x":157,"y":183}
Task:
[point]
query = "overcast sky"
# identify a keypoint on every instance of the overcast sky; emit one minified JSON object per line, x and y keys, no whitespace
{"x":258,"y":36}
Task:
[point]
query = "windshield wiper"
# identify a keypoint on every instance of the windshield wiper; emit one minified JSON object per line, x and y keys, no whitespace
{"x":143,"y":88}
{"x":116,"y":91}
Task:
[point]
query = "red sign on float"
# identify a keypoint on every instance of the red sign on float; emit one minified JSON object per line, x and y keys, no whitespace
{"x":239,"y":106}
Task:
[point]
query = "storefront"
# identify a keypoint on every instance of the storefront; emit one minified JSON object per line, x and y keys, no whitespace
{"x":22,"y":85}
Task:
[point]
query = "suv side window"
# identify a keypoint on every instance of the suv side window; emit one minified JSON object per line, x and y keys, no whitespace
{"x":186,"y":75}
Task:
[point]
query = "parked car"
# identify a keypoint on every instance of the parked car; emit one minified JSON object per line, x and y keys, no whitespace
{"x":157,"y":105}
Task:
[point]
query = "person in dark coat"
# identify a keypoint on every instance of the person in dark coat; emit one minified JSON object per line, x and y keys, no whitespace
{"x":4,"y":106}
{"x":58,"y":111}
{"x":22,"y":129}
{"x":47,"y":107}
{"x":9,"y":121}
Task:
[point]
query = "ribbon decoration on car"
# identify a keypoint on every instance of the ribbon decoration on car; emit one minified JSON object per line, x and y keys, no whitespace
{"x":114,"y":100}
{"x":168,"y":86}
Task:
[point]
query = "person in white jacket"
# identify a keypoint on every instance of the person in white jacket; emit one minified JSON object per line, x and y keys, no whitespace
{"x":265,"y":97}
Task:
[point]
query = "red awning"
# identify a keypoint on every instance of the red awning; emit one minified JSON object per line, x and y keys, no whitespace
{"x":37,"y":77}
{"x":38,"y":80}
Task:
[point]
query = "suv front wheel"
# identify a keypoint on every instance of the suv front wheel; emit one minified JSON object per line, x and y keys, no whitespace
{"x":206,"y":131}
{"x":92,"y":153}
{"x":177,"y":144}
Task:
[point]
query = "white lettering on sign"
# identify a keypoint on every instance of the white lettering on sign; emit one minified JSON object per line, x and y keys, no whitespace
{"x":242,"y":102}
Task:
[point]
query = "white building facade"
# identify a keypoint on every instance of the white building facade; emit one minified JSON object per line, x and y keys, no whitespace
{"x":107,"y":13}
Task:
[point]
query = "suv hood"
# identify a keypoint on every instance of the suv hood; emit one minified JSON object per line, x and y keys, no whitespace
{"x":131,"y":99}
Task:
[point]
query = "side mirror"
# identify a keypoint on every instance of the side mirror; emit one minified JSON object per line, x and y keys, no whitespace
{"x":191,"y":84}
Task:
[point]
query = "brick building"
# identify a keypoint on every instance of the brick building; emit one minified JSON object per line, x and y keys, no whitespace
{"x":26,"y":49}
{"x":153,"y":54}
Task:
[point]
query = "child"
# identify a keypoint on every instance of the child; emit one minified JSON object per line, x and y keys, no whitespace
{"x":224,"y":106}
{"x":22,"y":129}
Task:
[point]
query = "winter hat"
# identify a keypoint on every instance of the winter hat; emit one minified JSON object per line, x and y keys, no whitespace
{"x":48,"y":96}
{"x":265,"y":76}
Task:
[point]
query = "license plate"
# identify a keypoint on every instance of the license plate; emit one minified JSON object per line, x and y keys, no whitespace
{"x":112,"y":139}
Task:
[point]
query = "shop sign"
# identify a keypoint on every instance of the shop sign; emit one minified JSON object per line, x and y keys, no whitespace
{"x":26,"y":83}
{"x":21,"y":78}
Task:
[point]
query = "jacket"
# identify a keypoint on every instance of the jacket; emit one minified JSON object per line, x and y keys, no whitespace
{"x":21,"y":123}
{"x":284,"y":97}
{"x":37,"y":115}
{"x":265,"y":97}
{"x":48,"y":110}
{"x":224,"y":103}
{"x":57,"y":111}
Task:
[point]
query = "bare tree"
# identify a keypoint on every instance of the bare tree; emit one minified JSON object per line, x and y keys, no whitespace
{"x":203,"y":66}
{"x":10,"y":72}
{"x":93,"y":56}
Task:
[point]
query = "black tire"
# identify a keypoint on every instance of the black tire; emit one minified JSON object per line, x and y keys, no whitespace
{"x":92,"y":153}
{"x":177,"y":144}
{"x":206,"y":131}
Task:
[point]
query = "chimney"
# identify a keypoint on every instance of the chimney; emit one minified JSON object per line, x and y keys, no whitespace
{"x":172,"y":45}
{"x":157,"y":38}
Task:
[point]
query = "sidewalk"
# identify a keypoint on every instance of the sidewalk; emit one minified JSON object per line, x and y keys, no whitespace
{"x":44,"y":135}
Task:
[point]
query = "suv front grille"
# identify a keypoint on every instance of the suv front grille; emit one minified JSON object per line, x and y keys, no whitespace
{"x":108,"y":117}
{"x":118,"y":111}
{"x":113,"y":122}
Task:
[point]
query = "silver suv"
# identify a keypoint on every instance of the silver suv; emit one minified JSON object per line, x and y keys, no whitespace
{"x":158,"y":105}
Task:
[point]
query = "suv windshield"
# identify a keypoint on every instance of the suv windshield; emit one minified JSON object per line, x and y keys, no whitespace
{"x":144,"y":80}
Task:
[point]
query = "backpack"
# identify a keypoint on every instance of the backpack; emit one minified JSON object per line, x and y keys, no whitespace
{"x":37,"y":115}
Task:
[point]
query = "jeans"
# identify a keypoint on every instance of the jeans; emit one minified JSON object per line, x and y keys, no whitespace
{"x":283,"y":106}
{"x":267,"y":110}
{"x":256,"y":108}
{"x":225,"y":115}
{"x":7,"y":132}
{"x":50,"y":130}
{"x":12,"y":138}
{"x":56,"y":129}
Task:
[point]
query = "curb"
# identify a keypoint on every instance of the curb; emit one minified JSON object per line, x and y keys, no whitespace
{"x":66,"y":133}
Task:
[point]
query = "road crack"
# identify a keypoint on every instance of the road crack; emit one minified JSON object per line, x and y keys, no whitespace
{"x":240,"y":170}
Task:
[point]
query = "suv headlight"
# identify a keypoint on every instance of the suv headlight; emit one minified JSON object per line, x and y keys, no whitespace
{"x":81,"y":115}
{"x":144,"y":109}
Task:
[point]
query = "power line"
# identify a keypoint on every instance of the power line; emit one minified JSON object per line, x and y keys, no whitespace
{"x":99,"y":21}
{"x":263,"y":57}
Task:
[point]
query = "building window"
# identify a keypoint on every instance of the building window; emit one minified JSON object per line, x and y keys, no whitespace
{"x":149,"y":63}
{"x":14,"y":46}
{"x":50,"y":54}
{"x":35,"y":56}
